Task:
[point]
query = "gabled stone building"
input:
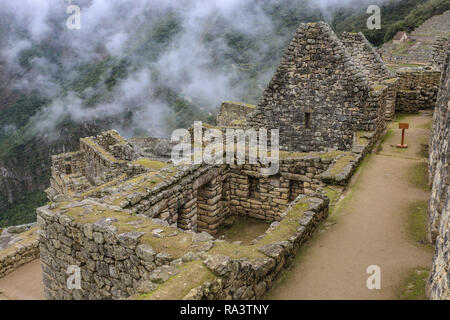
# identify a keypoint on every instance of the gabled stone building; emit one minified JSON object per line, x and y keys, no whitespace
{"x":319,"y":96}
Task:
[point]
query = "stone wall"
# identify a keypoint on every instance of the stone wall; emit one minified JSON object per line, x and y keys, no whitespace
{"x":317,"y":96}
{"x":439,"y":204}
{"x":25,"y":250}
{"x":418,"y":89}
{"x":249,"y":279}
{"x":438,"y":56}
{"x":267,"y":197}
{"x":234,"y":113}
{"x":365,"y":55}
{"x":122,"y":255}
{"x":391,"y":97}
{"x":130,"y":236}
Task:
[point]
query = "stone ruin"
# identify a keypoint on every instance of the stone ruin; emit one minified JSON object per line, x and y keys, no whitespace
{"x":321,"y":93}
{"x":130,"y":219}
{"x":439,"y":203}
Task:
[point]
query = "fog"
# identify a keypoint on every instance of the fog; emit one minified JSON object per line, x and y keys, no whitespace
{"x":187,"y":64}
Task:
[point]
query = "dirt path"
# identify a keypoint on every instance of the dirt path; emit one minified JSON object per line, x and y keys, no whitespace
{"x":23,"y":284}
{"x":369,"y":227}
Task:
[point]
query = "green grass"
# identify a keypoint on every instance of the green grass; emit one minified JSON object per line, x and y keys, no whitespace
{"x":192,"y":275}
{"x":333,"y":194}
{"x":341,"y":164}
{"x":418,"y":175}
{"x":413,"y":287}
{"x":417,"y":221}
{"x":244,"y":229}
{"x":401,"y":117}
{"x":386,"y":137}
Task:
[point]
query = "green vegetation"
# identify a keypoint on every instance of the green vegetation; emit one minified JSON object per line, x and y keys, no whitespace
{"x":419,"y":175}
{"x":190,"y":276}
{"x":341,"y":164}
{"x":333,"y":193}
{"x":418,"y":221}
{"x":388,"y":135}
{"x":151,"y":164}
{"x":414,"y":286}
{"x":24,"y":210}
{"x":397,"y":15}
{"x":244,"y":229}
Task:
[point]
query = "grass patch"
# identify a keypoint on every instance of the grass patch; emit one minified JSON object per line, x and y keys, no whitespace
{"x":236,"y":251}
{"x":333,"y":195}
{"x":27,"y":237}
{"x":241,"y":104}
{"x":401,"y":117}
{"x":413,"y":287}
{"x":417,"y":221}
{"x":427,"y":125}
{"x":340,"y":164}
{"x":176,"y":245}
{"x":191,"y":275}
{"x":331,"y":154}
{"x":151,"y":164}
{"x":287,"y":227}
{"x":419,"y":175}
{"x":244,"y":229}
{"x":361,"y":138}
{"x":388,"y":135}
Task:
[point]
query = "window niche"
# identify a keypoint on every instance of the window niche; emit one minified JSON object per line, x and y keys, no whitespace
{"x":253,"y":187}
{"x":308,"y":120}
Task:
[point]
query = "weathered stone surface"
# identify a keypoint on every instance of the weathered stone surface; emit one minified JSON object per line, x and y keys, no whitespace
{"x":145,"y":252}
{"x":163,"y":273}
{"x":439,"y":204}
{"x":130,"y":239}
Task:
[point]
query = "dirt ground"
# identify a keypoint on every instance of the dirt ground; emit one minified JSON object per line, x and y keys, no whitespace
{"x":368,"y":227}
{"x":23,"y":284}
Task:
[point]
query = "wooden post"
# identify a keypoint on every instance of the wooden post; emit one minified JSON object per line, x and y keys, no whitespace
{"x":404,"y":126}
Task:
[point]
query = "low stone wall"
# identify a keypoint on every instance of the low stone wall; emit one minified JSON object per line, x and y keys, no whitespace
{"x":234,"y":113}
{"x":439,"y":204}
{"x":20,"y":253}
{"x":248,"y":278}
{"x":120,"y":254}
{"x":418,"y":89}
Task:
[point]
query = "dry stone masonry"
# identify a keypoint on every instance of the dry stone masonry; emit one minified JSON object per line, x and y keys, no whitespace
{"x":18,"y":246}
{"x":234,"y":113}
{"x":417,"y":90}
{"x":131,"y":220}
{"x":439,"y":204}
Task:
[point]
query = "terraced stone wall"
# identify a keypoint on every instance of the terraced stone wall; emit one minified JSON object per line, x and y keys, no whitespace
{"x":418,"y":89}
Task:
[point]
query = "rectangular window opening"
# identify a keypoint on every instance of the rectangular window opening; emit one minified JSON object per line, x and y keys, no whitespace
{"x":308,"y":120}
